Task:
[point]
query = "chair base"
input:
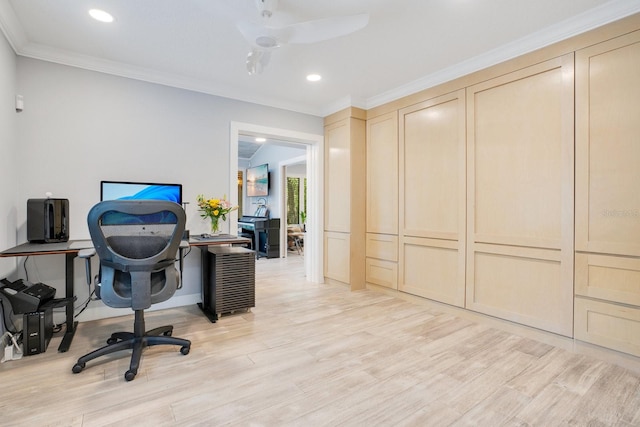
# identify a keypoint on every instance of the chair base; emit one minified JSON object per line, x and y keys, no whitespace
{"x":136,"y":341}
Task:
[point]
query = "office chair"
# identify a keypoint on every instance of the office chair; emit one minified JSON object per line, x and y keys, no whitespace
{"x":137,"y":242}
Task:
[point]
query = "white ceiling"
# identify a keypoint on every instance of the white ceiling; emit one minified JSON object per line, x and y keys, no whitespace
{"x":407,"y":46}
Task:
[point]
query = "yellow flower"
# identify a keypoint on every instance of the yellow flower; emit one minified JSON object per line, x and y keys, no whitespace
{"x":214,"y":208}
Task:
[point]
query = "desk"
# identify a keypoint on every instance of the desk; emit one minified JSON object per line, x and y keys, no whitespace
{"x":208,"y":304}
{"x":70,"y":250}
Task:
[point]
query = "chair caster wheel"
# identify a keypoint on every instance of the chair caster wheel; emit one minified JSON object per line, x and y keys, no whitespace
{"x":167,"y":333}
{"x":185,"y":350}
{"x":112,"y":341}
{"x":78,"y":367}
{"x":129,"y":376}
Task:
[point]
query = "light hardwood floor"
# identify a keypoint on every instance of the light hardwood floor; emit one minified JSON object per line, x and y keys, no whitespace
{"x":318,"y":354}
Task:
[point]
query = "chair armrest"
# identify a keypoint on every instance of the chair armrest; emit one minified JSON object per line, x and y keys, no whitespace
{"x":87,"y":254}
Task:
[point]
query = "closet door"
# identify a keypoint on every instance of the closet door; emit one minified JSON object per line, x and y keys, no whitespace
{"x":608,"y":147}
{"x":382,"y":174}
{"x":520,"y":196}
{"x":607,"y":270}
{"x":344,"y":203}
{"x":382,"y":201}
{"x":432,"y":199}
{"x":337,"y":201}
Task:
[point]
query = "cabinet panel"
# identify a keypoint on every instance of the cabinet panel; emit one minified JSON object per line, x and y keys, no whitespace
{"x":433,"y":269}
{"x":382,"y":246}
{"x":609,"y":325}
{"x":336,"y":256}
{"x":608,"y":277}
{"x":432,"y":199}
{"x":433,"y":168}
{"x":383,"y":273}
{"x":337,"y":177}
{"x":520,"y":196}
{"x":518,"y":158}
{"x":345,"y":194}
{"x":607,"y":148}
{"x":523,"y":285}
{"x":382,"y":174}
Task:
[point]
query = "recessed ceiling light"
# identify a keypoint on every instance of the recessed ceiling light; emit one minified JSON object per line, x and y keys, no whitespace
{"x":314,"y":77}
{"x":101,"y":15}
{"x":260,"y":139}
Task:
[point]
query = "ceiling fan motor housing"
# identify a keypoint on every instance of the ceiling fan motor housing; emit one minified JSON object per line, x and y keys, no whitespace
{"x":267,"y":7}
{"x":267,"y":42}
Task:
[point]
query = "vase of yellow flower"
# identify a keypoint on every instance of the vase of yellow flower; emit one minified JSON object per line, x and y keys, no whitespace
{"x":216,"y":210}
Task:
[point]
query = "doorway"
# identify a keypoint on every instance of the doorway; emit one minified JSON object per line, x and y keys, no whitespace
{"x":293,"y":171}
{"x":314,"y":145}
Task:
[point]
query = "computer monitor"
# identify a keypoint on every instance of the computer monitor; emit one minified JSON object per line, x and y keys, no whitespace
{"x":121,"y":190}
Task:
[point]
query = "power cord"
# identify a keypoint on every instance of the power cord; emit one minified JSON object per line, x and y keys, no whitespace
{"x":85,"y":304}
{"x":8,"y":314}
{"x":24,"y":266}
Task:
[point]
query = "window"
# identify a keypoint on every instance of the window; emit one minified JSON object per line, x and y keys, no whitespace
{"x":296,"y":199}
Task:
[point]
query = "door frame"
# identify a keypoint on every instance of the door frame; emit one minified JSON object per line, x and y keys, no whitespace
{"x":314,"y":253}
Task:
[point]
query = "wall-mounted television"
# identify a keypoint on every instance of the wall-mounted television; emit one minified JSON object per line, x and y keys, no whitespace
{"x":121,"y":190}
{"x":258,"y":181}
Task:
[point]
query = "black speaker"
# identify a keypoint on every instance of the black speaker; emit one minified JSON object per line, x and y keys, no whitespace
{"x":48,"y":220}
{"x":37,"y":329}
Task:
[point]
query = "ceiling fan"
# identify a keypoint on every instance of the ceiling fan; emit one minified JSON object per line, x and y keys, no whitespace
{"x":265,"y":38}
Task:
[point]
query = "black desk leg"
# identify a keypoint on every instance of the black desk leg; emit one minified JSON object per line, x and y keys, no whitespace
{"x":208,"y":292}
{"x":69,"y":293}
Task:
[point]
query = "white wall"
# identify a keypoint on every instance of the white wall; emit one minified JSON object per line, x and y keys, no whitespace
{"x":273,"y":155}
{"x":8,"y":144}
{"x":80,"y":127}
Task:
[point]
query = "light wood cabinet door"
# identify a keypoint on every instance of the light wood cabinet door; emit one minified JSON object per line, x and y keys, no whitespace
{"x":345,"y":193}
{"x":337,"y":200}
{"x":607,"y":194}
{"x":432,"y":199}
{"x":609,"y":325}
{"x":608,"y":147}
{"x":382,"y":174}
{"x":337,"y":260}
{"x":520,"y":196}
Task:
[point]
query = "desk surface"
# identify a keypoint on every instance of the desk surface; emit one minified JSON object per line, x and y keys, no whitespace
{"x":73,"y":246}
{"x":219,"y":239}
{"x":27,"y":249}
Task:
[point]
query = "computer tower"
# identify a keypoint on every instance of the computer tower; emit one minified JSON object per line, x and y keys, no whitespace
{"x":37,"y":329}
{"x":47,"y":220}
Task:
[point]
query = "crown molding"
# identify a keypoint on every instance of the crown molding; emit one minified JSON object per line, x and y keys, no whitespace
{"x":11,"y":28}
{"x":91,"y":63}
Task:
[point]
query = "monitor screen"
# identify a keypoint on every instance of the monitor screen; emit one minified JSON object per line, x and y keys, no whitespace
{"x":258,"y":181}
{"x":119,"y":190}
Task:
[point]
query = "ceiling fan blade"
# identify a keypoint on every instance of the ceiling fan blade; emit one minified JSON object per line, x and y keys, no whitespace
{"x":249,"y":30}
{"x":325,"y":29}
